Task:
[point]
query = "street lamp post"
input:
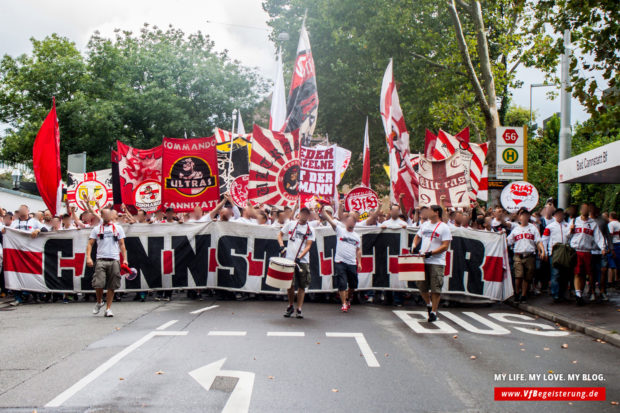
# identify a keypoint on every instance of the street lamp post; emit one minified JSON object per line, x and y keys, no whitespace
{"x":533,"y":85}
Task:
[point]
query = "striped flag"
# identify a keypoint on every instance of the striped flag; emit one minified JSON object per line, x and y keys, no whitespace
{"x":366,"y":168}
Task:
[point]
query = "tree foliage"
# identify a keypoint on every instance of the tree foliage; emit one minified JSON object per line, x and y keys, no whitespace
{"x":136,"y":88}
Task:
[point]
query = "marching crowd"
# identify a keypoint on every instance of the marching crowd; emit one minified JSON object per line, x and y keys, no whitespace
{"x":535,"y":240}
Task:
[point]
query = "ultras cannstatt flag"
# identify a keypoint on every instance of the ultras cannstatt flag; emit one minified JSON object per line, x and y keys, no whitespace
{"x":402,"y":176}
{"x":277,"y":115}
{"x":46,"y":161}
{"x":366,"y":158}
{"x":303,"y":99}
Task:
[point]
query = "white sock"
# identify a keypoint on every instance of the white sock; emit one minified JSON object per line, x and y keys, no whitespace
{"x":578,"y":293}
{"x":434,"y":313}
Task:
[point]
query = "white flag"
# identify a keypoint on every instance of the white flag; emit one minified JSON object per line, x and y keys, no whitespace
{"x":278,"y":99}
{"x":240,"y":127}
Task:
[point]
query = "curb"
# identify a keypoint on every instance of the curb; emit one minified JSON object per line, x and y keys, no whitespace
{"x":595,"y":332}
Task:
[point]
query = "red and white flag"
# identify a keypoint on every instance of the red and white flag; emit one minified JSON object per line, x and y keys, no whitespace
{"x":366,"y":167}
{"x":46,"y":162}
{"x":402,"y":176}
{"x":444,"y":179}
{"x":472,"y":155}
{"x":483,"y":189}
{"x":303,"y":99}
{"x":277,"y":116}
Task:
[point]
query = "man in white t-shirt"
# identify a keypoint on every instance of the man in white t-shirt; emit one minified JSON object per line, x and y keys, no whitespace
{"x":110,"y":239}
{"x":435,"y":237}
{"x":555,"y":233}
{"x":23,"y":222}
{"x":525,"y":241}
{"x":348,"y":259}
{"x":395,"y":222}
{"x":300,"y":236}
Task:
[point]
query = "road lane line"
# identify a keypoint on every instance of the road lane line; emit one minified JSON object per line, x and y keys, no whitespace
{"x":227,"y":333}
{"x":67,"y":394}
{"x":286,"y":334}
{"x":369,"y":356}
{"x":200,"y":310}
{"x":166,"y":325}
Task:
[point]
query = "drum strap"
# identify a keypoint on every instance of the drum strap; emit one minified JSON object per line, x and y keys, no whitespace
{"x":432,"y":236}
{"x":303,"y":240}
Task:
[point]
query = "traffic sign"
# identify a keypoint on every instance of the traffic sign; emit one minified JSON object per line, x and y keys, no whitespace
{"x":511,"y":153}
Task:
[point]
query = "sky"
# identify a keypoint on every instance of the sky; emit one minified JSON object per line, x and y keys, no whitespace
{"x":221,"y":19}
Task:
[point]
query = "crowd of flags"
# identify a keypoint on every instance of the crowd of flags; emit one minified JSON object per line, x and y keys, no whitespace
{"x":299,"y":113}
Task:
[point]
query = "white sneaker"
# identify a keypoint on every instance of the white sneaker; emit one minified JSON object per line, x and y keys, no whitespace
{"x":604,"y":297}
{"x":593,"y":297}
{"x":97,"y":308}
{"x":109,"y":313}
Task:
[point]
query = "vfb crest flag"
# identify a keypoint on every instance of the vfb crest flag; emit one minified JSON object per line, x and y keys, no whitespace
{"x":274,"y":168}
{"x":190,"y":175}
{"x":94,"y":188}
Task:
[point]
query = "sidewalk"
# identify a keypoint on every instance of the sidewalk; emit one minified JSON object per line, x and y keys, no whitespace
{"x":600,"y":320}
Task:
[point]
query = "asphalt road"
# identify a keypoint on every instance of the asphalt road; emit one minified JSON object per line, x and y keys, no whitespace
{"x":61,"y":358}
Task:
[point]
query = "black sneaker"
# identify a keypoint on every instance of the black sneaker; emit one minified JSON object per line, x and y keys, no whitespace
{"x":428,"y":310}
{"x":432,"y":317}
{"x":299,"y":315}
{"x":579,"y":301}
{"x":523,"y":299}
{"x":289,"y":312}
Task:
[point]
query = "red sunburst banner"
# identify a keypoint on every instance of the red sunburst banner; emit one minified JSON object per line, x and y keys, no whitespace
{"x":274,"y":168}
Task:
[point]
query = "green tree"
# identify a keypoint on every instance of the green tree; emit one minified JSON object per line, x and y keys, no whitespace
{"x":136,"y":88}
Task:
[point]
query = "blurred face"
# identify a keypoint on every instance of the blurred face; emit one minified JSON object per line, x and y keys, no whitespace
{"x":225,"y":214}
{"x":55,"y":223}
{"x":524,"y":219}
{"x":394,"y":212}
{"x":66,"y":221}
{"x":159,"y":215}
{"x":303,"y":217}
{"x":106,"y":215}
{"x":47,"y":216}
{"x":23,"y":212}
{"x":487,"y":223}
{"x":350,"y":223}
{"x":141,"y":216}
{"x":38,"y":216}
{"x":559,"y":216}
{"x":424,"y":213}
{"x":7,"y":220}
{"x":584,"y":210}
{"x":197,"y":212}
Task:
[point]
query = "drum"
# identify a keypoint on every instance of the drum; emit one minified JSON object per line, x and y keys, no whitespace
{"x":411,"y":268}
{"x":280,"y":273}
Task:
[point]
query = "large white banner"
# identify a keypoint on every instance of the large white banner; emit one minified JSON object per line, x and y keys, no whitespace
{"x":235,"y":256}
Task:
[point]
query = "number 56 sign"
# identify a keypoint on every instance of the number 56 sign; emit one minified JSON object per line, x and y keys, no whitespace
{"x":361,"y":200}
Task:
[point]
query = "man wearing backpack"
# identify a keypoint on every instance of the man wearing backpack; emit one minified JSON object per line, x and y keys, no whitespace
{"x":556,"y":232}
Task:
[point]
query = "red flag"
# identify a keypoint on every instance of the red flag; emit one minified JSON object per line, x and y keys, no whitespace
{"x":430,"y":140}
{"x":366,"y":169}
{"x":46,"y":161}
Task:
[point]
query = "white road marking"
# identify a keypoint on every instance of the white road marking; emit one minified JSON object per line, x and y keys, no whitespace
{"x":200,"y":310}
{"x":67,"y":394}
{"x":370,"y":358}
{"x":416,"y":323}
{"x":494,"y":329}
{"x":286,"y":334}
{"x":166,"y":325}
{"x":239,"y":400}
{"x":227,"y":333}
{"x":536,"y":328}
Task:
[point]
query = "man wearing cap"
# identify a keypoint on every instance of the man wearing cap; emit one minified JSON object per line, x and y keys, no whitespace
{"x":525,"y":239}
{"x":300,"y":236}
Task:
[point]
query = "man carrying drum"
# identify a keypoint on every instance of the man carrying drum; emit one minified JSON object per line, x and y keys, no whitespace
{"x":300,"y":237}
{"x":435,"y":236}
{"x":348,"y":259}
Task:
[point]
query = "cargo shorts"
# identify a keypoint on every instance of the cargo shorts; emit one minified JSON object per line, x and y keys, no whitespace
{"x":433,"y":278}
{"x":302,"y":275}
{"x":107,"y":275}
{"x":525,"y":267}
